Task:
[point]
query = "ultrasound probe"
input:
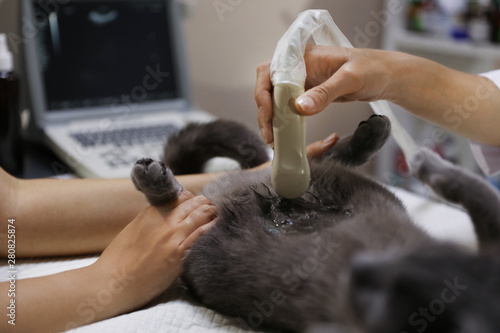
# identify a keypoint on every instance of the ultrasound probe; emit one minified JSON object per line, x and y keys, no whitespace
{"x":290,"y":174}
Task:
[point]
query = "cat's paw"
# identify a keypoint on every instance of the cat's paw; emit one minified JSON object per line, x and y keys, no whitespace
{"x":155,"y":180}
{"x":372,"y":133}
{"x":431,"y":169}
{"x":368,"y":138}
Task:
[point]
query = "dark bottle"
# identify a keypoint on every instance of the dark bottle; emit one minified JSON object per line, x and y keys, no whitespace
{"x":494,"y":18}
{"x":414,"y":16}
{"x":477,"y":21}
{"x":10,"y":122}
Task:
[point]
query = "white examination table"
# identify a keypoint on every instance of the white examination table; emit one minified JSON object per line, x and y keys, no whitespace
{"x":174,"y":313}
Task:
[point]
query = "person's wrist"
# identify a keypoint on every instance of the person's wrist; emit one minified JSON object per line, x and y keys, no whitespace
{"x":9,"y":194}
{"x":129,"y":281}
{"x":399,"y":67}
{"x":113,"y":287}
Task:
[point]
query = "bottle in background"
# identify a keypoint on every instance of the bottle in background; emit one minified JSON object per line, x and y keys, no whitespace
{"x":10,"y":121}
{"x":415,"y":20}
{"x":477,"y":20}
{"x":494,"y":18}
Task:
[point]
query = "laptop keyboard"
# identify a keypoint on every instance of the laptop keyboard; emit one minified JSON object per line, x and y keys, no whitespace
{"x":125,"y":136}
{"x":120,"y":148}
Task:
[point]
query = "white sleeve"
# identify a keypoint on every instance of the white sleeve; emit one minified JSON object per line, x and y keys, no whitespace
{"x":493,"y":76}
{"x":488,"y":157}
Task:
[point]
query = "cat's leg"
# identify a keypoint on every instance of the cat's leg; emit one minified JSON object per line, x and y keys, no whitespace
{"x":460,"y":186}
{"x":368,"y":138}
{"x":156,"y":181}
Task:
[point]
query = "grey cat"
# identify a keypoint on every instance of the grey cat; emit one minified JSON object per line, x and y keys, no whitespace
{"x":298,"y":264}
{"x":440,"y":288}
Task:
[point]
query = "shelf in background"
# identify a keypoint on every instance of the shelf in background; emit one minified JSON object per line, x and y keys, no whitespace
{"x":466,"y":56}
{"x":403,"y":39}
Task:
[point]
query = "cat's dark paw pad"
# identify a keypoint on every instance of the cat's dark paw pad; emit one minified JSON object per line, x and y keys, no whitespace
{"x":372,"y":132}
{"x":155,"y":180}
{"x":148,"y":173}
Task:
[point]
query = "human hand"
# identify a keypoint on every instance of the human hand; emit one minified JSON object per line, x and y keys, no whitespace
{"x":140,"y":263}
{"x":148,"y":252}
{"x":333,"y":75}
{"x":318,"y":148}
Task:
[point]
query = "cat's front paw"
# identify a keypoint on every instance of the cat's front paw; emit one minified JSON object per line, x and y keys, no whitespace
{"x":372,"y":133}
{"x":155,"y":180}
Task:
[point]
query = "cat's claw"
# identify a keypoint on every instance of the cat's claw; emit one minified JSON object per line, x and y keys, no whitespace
{"x":155,"y":180}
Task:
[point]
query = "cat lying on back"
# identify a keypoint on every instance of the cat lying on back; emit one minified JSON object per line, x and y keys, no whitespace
{"x":298,"y":264}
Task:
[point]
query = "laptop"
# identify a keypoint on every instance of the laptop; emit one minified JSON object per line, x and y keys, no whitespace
{"x":108,"y":80}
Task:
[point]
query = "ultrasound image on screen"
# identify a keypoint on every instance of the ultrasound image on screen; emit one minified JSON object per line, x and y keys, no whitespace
{"x":95,"y":53}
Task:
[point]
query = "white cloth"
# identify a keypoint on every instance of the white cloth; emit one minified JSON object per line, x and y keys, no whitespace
{"x":176,"y":312}
{"x":488,"y":157}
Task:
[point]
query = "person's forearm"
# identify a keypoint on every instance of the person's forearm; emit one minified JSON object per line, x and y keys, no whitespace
{"x":196,"y":183}
{"x":141,"y":262}
{"x":463,"y":103}
{"x":63,"y":301}
{"x":68,"y":217}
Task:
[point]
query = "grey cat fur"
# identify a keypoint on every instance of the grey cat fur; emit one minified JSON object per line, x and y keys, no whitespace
{"x":286,"y":264}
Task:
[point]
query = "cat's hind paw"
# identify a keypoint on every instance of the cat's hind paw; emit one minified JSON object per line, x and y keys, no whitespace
{"x":433,"y":170}
{"x":155,"y":180}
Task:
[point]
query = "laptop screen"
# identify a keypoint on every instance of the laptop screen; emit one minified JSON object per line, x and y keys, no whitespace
{"x":106,"y":52}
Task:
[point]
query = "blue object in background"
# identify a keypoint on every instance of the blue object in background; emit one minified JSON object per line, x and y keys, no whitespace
{"x":495,"y":181}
